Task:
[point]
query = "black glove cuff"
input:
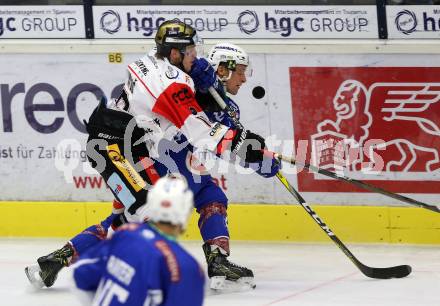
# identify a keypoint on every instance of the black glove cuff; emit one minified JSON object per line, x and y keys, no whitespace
{"x":248,"y":146}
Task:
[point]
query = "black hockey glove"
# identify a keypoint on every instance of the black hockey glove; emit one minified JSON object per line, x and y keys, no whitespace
{"x":119,"y":220}
{"x":248,"y":146}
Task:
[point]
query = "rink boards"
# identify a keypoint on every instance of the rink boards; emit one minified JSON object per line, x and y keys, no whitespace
{"x":255,"y":222}
{"x":46,"y":95}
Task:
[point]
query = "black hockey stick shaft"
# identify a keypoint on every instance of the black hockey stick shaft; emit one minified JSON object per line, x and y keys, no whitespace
{"x":355,"y":182}
{"x":381,"y":273}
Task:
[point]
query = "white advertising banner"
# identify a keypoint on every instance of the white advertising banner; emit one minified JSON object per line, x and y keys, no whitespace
{"x":44,"y":100}
{"x":48,"y":21}
{"x":285,"y":21}
{"x":413,"y":21}
{"x":297,"y":101}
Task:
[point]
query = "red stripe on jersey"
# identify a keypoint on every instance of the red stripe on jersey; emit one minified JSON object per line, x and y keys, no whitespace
{"x":225,"y":143}
{"x":170,"y":259}
{"x":142,"y":82}
{"x":177,"y":103}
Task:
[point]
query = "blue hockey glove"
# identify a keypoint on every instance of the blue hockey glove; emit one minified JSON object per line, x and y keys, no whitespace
{"x":269,"y":167}
{"x":203,"y":75}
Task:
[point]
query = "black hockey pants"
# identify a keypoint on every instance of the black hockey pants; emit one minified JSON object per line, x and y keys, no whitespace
{"x":111,"y":150}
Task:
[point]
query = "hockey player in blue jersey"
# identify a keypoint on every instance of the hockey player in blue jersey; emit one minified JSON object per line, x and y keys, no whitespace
{"x":232,"y":67}
{"x":142,"y":264}
{"x":231,"y":63}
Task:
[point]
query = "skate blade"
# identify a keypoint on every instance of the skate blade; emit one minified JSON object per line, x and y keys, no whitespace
{"x":219,"y":284}
{"x":33,"y":274}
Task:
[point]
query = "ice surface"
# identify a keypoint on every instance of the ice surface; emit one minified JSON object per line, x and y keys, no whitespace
{"x":286,"y":274}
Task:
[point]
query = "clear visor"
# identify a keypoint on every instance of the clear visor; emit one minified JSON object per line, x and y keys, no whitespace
{"x":198,"y":42}
{"x":191,"y":51}
{"x":195,"y":50}
{"x":249,"y":70}
{"x":244,"y":70}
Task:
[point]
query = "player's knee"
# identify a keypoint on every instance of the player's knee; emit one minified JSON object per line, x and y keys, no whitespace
{"x":210,"y":210}
{"x":213,"y":208}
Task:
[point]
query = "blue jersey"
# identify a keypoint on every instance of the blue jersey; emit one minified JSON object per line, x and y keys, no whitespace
{"x":177,"y":157}
{"x":140,"y":266}
{"x":222,"y":117}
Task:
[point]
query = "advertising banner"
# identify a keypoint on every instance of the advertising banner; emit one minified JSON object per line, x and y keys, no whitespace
{"x":285,"y":21}
{"x":377,"y":124}
{"x":372,"y":117}
{"x":48,"y":21}
{"x":44,"y":100}
{"x":413,"y":21}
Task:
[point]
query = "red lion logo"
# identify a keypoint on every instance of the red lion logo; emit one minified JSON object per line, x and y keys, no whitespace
{"x":391,"y":125}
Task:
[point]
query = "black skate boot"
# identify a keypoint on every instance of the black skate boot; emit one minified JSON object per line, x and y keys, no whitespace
{"x":49,"y":266}
{"x":225,"y":274}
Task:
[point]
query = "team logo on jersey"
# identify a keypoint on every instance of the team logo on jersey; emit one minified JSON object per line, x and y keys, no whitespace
{"x":110,"y":22}
{"x":171,"y":73}
{"x":182,"y":96}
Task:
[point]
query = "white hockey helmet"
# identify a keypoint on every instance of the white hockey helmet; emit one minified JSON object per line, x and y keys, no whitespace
{"x":169,"y":201}
{"x":229,"y":54}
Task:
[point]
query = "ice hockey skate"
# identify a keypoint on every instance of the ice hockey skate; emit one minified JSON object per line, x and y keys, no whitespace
{"x":224,"y":275}
{"x":45,"y":273}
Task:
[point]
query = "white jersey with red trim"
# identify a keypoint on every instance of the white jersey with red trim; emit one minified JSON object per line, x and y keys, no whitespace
{"x":161,"y":98}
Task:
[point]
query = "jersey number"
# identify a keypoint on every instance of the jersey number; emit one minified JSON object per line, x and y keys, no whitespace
{"x":107,"y":291}
{"x":154,"y":297}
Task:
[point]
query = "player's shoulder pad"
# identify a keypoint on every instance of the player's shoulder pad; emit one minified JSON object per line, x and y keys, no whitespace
{"x":174,"y":74}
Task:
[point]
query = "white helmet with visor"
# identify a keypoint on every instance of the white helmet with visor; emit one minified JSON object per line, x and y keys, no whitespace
{"x":229,"y":55}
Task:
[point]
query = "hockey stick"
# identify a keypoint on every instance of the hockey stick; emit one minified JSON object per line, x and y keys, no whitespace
{"x":355,"y":182}
{"x":325,"y":172}
{"x":381,"y":273}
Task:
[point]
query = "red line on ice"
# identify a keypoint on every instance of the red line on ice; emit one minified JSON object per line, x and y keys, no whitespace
{"x":312,"y":288}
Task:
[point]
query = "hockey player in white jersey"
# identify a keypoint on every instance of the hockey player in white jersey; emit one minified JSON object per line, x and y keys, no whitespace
{"x":142,"y":264}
